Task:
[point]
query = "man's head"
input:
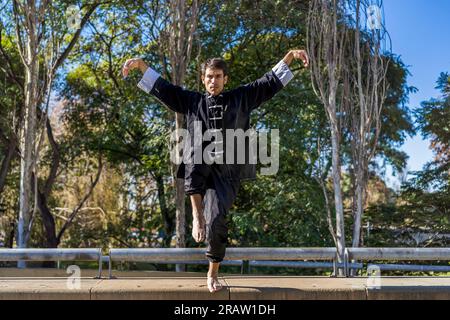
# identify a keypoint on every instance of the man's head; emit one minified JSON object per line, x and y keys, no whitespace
{"x":214,"y":75}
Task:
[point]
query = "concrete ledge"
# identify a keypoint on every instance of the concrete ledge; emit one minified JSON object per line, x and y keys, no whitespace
{"x":414,"y":288}
{"x":157,"y":288}
{"x":44,"y":289}
{"x":192,"y":286}
{"x":295,"y":288}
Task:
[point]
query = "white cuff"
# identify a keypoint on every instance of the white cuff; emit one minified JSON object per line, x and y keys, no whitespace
{"x":283,"y":72}
{"x":148,"y":80}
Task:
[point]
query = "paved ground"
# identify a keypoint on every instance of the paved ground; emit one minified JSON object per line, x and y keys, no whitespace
{"x":52,"y":284}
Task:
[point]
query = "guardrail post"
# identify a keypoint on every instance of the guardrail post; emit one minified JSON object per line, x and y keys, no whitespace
{"x":346,"y":262}
{"x":245,"y":269}
{"x":335,"y":267}
{"x":110,"y":267}
{"x":100,"y":264}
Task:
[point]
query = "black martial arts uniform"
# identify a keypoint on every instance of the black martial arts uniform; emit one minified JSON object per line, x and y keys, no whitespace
{"x":217,"y":183}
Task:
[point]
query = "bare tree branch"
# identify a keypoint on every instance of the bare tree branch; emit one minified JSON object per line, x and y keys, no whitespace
{"x":82,"y":202}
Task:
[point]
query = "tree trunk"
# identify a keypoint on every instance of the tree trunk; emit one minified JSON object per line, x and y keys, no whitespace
{"x":49,"y":227}
{"x":9,"y":243}
{"x":336,"y":171}
{"x":359,"y":197}
{"x":167,"y":219}
{"x":27,"y":141}
{"x":48,"y":221}
{"x":179,"y":202}
{"x":184,"y":19}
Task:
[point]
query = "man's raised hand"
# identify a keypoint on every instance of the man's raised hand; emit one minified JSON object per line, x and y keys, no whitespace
{"x":297,"y":54}
{"x":135,"y":63}
{"x":301,"y":55}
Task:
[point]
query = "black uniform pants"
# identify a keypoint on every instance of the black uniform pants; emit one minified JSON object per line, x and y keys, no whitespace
{"x":218,"y":194}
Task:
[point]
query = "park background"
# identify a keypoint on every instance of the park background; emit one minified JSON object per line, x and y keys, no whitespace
{"x":103,"y":177}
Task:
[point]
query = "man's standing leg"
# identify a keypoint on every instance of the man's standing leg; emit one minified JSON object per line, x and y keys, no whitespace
{"x":219,"y":197}
{"x":199,"y":234}
{"x":216,"y":236}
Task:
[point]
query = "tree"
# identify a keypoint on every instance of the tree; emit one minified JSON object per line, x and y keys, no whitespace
{"x":181,"y":41}
{"x":40,"y":53}
{"x":326,"y":43}
{"x":109,"y":116}
{"x":365,"y":89}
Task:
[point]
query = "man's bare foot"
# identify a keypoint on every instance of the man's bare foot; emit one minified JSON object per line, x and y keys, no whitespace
{"x":199,"y":228}
{"x":213,"y":284}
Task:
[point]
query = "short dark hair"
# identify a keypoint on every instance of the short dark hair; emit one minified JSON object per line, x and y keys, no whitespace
{"x":215,"y":63}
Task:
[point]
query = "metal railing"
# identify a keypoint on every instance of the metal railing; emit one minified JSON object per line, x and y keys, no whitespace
{"x":53,"y":255}
{"x":248,"y":257}
{"x":408,"y":267}
{"x":303,"y":265}
{"x":399,"y":254}
{"x":293,"y":257}
{"x":170,"y":255}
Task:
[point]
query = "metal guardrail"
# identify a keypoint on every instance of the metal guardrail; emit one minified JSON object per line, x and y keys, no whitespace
{"x":250,"y":257}
{"x":53,"y":255}
{"x":236,"y":263}
{"x":408,"y":267}
{"x":398,"y":254}
{"x":302,"y":264}
{"x":170,"y":255}
{"x":355,"y":266}
{"x":292,"y":257}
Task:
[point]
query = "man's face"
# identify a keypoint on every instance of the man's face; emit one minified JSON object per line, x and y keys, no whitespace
{"x":214,"y":81}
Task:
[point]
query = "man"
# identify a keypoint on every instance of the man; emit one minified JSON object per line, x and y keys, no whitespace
{"x":213,"y":187}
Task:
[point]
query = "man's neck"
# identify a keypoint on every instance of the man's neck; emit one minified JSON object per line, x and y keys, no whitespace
{"x":209,"y":95}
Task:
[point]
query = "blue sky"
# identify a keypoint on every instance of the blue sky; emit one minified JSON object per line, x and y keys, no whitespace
{"x":420,"y":32}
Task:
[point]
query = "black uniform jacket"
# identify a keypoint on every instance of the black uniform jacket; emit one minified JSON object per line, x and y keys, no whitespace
{"x":237,"y":106}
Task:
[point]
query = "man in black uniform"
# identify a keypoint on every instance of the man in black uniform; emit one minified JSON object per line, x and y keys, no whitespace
{"x":213,"y":184}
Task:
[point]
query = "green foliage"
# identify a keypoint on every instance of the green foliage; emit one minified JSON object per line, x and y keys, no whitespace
{"x":433,"y":120}
{"x":99,"y":114}
{"x":420,"y":216}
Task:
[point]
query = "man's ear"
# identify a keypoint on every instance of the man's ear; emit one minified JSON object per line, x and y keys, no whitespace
{"x":203,"y":79}
{"x":225,"y":80}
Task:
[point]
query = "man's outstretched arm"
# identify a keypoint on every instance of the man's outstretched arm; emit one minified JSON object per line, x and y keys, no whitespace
{"x":263,"y":89}
{"x":174,"y":97}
